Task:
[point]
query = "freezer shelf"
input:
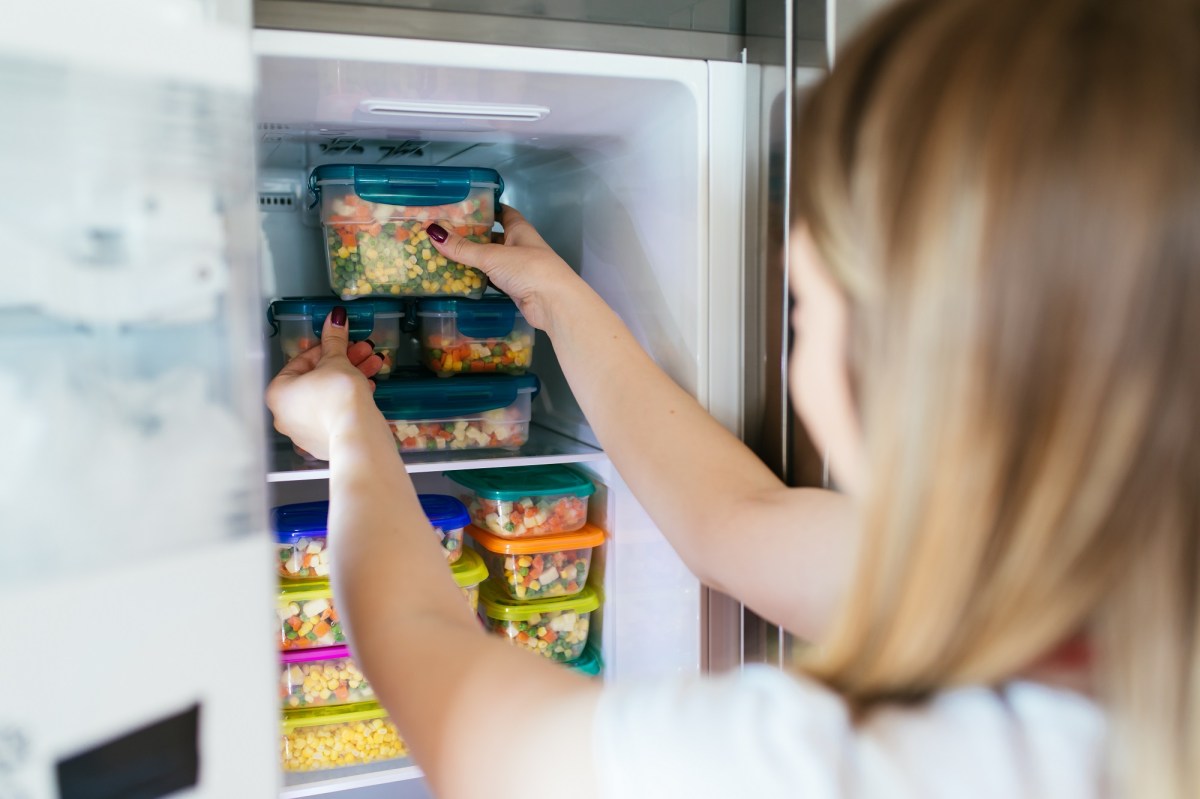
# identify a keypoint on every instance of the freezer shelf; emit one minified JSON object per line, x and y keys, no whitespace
{"x":318,"y":783}
{"x":544,"y":446}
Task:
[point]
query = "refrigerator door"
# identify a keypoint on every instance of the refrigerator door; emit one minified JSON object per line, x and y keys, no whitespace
{"x":131,"y":484}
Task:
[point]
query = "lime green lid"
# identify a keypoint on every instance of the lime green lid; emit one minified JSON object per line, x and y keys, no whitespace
{"x":336,"y":714}
{"x":515,"y":482}
{"x":469,"y":569}
{"x":498,"y":605}
{"x":304,"y":590}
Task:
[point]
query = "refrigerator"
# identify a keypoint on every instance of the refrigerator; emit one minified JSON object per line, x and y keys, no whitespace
{"x":159,"y":174}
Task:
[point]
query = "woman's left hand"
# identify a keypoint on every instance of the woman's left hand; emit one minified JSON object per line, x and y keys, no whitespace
{"x":324,"y":387}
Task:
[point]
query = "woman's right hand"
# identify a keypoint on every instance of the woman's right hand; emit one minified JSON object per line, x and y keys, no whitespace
{"x":522,"y":266}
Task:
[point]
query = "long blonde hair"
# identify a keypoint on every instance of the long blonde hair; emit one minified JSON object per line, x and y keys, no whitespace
{"x":1008,"y":192}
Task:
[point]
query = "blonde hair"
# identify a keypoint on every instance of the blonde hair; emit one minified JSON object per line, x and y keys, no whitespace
{"x":1008,"y":192}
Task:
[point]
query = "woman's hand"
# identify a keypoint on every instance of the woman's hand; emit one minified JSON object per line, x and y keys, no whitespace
{"x":324,"y":387}
{"x":523,"y":266}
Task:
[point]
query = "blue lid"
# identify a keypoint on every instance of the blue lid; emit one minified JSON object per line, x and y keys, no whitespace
{"x":488,"y":317}
{"x":417,"y":394}
{"x":300,"y":520}
{"x":360,"y":314}
{"x":444,"y":513}
{"x":407,"y":185}
{"x":311,"y":519}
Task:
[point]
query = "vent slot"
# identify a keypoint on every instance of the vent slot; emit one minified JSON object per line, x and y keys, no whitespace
{"x":275,"y":201}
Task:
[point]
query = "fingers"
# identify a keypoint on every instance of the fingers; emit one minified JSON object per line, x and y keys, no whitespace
{"x":482,"y":256}
{"x":370,"y":365}
{"x":335,"y":335}
{"x":359,"y":351}
{"x":517,"y":229}
{"x":304,"y":362}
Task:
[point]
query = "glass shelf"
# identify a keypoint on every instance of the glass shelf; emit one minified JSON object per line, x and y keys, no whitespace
{"x":316,"y":783}
{"x":544,"y":446}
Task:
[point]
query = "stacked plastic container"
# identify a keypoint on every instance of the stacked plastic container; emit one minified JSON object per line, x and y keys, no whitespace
{"x":530,"y":525}
{"x":330,"y":716}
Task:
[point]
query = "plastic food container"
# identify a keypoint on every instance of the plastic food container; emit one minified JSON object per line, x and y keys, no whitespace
{"x":328,"y":737}
{"x":307,"y":618}
{"x":589,"y":663}
{"x":300,"y":530}
{"x":487,"y":335}
{"x":375,"y":219}
{"x":298,"y":320}
{"x":554,"y":628}
{"x":541,"y":567}
{"x":448,"y":517}
{"x":321,"y":677}
{"x":469,"y":572}
{"x":469,"y":412}
{"x":526,"y":500}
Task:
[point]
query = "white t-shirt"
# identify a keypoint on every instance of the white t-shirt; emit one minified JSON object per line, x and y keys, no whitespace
{"x":764,"y":733}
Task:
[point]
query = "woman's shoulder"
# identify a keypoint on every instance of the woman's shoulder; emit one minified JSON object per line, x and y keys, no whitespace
{"x":762,"y":732}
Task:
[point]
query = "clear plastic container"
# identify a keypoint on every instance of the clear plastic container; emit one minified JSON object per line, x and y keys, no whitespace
{"x":541,"y":567}
{"x":469,"y":412}
{"x":475,"y":336}
{"x":307,"y":618}
{"x":321,"y":678}
{"x":321,"y":738}
{"x":448,"y":517}
{"x":554,"y":628}
{"x":469,"y":572}
{"x":298,"y":320}
{"x":375,"y":219}
{"x":526,"y":500}
{"x":300,"y":531}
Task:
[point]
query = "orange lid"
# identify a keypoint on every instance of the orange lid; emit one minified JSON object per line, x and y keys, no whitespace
{"x":586,"y":536}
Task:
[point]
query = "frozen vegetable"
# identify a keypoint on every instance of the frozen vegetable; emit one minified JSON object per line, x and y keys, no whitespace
{"x":448,"y":517}
{"x":542,"y":567}
{"x":297,"y":322}
{"x":556,"y":629}
{"x":503,"y":428}
{"x":526,"y":500}
{"x":485,"y":335}
{"x":318,"y":677}
{"x":307,"y":617}
{"x":304,"y":558}
{"x":300,"y":530}
{"x":448,"y":355}
{"x":324,"y":738}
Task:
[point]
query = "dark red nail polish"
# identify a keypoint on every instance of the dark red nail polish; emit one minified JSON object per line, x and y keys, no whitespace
{"x":338,"y":316}
{"x":437,"y":232}
{"x":372,"y":343}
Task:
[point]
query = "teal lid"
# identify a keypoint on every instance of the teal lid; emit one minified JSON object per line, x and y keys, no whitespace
{"x":421,"y":395}
{"x":360,"y":314}
{"x":407,"y":185}
{"x":488,"y":317}
{"x":589,"y":663}
{"x":513,"y":483}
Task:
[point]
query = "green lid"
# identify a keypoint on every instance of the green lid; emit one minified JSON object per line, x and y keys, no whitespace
{"x":513,"y":483}
{"x":304,"y":590}
{"x":498,"y":605}
{"x":469,"y":569}
{"x":417,"y":394}
{"x":336,"y":714}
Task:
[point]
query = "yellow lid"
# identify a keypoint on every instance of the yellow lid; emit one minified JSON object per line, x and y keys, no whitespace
{"x":337,"y":714}
{"x":469,"y":569}
{"x":304,"y":590}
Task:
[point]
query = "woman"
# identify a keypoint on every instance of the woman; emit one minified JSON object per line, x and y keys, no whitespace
{"x":997,"y":268}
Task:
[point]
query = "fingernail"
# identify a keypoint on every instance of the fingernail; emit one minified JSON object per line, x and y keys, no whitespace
{"x":372,"y":343}
{"x":338,"y":316}
{"x":437,"y":232}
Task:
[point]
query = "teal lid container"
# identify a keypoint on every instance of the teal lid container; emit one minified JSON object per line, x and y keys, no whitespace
{"x":360,"y":314}
{"x":420,"y":395}
{"x":406,"y":185}
{"x":488,"y":317}
{"x":589,"y":663}
{"x":517,"y":482}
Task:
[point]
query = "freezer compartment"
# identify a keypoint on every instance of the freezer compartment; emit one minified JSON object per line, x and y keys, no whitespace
{"x":526,"y":500}
{"x":488,"y":335}
{"x":468,"y":412}
{"x":307,"y":617}
{"x":329,"y":737}
{"x":541,"y":567}
{"x":296,"y":322}
{"x":375,"y":220}
{"x":553,"y":628}
{"x":321,"y":678}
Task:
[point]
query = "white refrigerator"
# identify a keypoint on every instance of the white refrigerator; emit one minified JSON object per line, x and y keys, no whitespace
{"x":160,"y":181}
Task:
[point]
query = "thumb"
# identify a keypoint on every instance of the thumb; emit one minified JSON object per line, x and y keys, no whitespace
{"x":485,"y":257}
{"x":335,"y":335}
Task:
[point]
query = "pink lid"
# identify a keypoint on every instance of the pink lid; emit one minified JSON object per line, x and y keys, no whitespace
{"x":309,"y":655}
